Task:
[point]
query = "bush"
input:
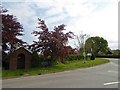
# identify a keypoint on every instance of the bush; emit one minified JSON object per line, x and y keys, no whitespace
{"x":108,"y":56}
{"x":75,"y":57}
{"x":92,"y":57}
{"x":35,"y":60}
{"x":5,"y":61}
{"x":41,"y":60}
{"x":46,"y":61}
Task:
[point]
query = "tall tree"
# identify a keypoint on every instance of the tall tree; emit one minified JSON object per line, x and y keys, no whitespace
{"x":11,"y":29}
{"x":96,"y":44}
{"x":52,"y":43}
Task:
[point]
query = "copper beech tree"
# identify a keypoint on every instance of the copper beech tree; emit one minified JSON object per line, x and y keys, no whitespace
{"x":52,"y":43}
{"x":11,"y":29}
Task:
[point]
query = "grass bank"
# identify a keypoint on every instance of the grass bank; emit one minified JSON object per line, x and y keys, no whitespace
{"x":69,"y":65}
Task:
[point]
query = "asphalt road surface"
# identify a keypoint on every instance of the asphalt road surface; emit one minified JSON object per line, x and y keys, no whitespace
{"x":101,"y":76}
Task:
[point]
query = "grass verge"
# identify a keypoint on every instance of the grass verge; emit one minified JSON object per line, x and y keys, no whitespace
{"x":69,"y":65}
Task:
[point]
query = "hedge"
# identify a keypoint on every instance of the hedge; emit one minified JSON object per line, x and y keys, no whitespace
{"x":108,"y":56}
{"x":75,"y":57}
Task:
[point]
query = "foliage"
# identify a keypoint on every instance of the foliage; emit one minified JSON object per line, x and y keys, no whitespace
{"x":35,"y":60}
{"x":5,"y":60}
{"x":51,"y":43}
{"x":41,"y":60}
{"x":117,"y":51}
{"x":92,"y":57}
{"x":11,"y":29}
{"x":97,"y":44}
{"x":46,"y":61}
{"x":75,"y":57}
{"x":108,"y":56}
{"x":80,"y":42}
{"x":55,"y":68}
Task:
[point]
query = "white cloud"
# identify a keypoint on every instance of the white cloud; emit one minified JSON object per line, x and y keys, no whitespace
{"x":83,"y":16}
{"x":73,"y":8}
{"x":25,"y":15}
{"x":56,"y":19}
{"x":42,"y":4}
{"x":103,"y":23}
{"x":22,"y":11}
{"x":79,"y":9}
{"x":53,"y":11}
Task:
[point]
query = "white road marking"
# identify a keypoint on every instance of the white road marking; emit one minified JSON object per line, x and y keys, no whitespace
{"x":110,"y":83}
{"x":113,"y":71}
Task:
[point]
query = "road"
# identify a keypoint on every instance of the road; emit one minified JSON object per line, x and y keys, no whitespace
{"x":101,"y":76}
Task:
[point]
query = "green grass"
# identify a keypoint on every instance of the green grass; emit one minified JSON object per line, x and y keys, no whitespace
{"x":71,"y":65}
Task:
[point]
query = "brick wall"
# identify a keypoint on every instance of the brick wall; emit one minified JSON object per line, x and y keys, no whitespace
{"x":14,"y":55}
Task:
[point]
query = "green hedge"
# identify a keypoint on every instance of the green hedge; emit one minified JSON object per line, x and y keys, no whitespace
{"x":35,"y":61}
{"x":75,"y":57}
{"x":41,"y":61}
{"x":108,"y":56}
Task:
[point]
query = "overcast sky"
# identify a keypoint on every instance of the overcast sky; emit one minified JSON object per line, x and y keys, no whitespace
{"x":92,"y":17}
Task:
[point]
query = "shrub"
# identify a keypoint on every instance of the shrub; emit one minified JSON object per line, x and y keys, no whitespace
{"x":109,"y":56}
{"x":75,"y":57}
{"x":5,"y":60}
{"x":46,"y":61}
{"x":35,"y":60}
{"x":92,"y":57}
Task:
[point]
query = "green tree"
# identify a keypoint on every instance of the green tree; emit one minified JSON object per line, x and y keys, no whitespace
{"x":96,"y":44}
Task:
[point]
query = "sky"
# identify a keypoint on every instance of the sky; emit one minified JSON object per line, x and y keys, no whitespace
{"x":91,"y":17}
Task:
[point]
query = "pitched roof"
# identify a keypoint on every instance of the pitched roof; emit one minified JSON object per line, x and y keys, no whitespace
{"x":23,"y":48}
